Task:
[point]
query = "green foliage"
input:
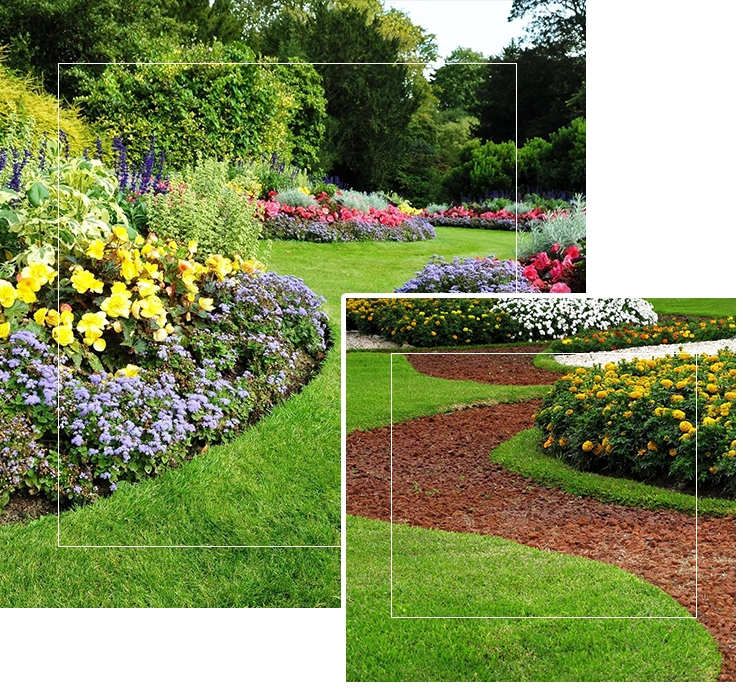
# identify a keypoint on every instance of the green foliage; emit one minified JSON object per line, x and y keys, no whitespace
{"x":559,"y":24}
{"x":563,"y":163}
{"x":27,"y":114}
{"x":522,"y":454}
{"x":563,"y":228}
{"x":274,"y":173}
{"x":306,"y":114}
{"x":647,"y":418}
{"x":483,"y":168}
{"x":66,"y":207}
{"x":202,"y":206}
{"x":216,"y":110}
{"x":41,"y":33}
{"x":296,"y":198}
{"x":358,"y":200}
{"x":455,"y":84}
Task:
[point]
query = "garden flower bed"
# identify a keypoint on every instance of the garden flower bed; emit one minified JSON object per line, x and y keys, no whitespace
{"x":459,"y":216}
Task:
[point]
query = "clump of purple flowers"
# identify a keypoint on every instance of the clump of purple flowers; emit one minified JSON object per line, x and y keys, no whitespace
{"x":472,"y":275}
{"x":262,"y":341}
{"x":283,"y":226}
{"x":149,"y":177}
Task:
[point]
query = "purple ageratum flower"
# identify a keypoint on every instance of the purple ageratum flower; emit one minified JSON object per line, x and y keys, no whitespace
{"x":470,"y":275}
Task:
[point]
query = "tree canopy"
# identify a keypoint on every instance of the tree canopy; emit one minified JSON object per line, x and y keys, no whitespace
{"x":559,"y":24}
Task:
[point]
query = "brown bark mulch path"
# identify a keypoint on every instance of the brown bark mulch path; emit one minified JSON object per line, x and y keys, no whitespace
{"x":496,"y":366}
{"x":444,"y":479}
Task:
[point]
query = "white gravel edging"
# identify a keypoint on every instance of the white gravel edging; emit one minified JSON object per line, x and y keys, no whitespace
{"x":651,"y":352}
{"x":355,"y":340}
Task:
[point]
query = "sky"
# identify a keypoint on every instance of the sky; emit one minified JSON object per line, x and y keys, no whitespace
{"x":478,"y":24}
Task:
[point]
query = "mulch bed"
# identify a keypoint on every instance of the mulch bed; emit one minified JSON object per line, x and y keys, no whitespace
{"x":444,"y":479}
{"x":504,"y":368}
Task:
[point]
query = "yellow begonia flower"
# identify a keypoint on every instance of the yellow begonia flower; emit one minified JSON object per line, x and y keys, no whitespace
{"x":66,"y":318}
{"x":40,"y":316}
{"x":193,"y":245}
{"x":153,"y":270}
{"x":4,"y":330}
{"x":160,"y":335}
{"x":40,"y":273}
{"x":90,"y":323}
{"x":220,"y":265}
{"x":206,"y":304}
{"x":147,"y":288}
{"x":96,"y":249}
{"x":84,"y":280}
{"x":121,"y":233}
{"x":8,"y":294}
{"x":118,"y":304}
{"x":129,"y":371}
{"x":63,"y":335}
{"x":25,"y":290}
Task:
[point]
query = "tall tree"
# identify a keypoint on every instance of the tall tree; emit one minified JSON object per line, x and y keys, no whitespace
{"x":558,"y":24}
{"x":457,"y":82}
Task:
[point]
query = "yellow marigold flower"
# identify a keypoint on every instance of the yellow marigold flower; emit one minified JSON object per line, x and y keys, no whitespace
{"x":713,"y":470}
{"x":206,"y":303}
{"x":627,"y":414}
{"x":96,"y":249}
{"x":602,"y":394}
{"x":678,"y":414}
{"x":673,"y":452}
{"x":433,"y":332}
{"x":636,"y":394}
{"x":120,"y":233}
{"x":8,"y":294}
{"x":580,"y":396}
{"x":547,"y":443}
{"x":63,"y":335}
{"x":587,"y":446}
{"x":84,"y":281}
{"x":563,"y":441}
{"x":4,"y":330}
{"x":652,"y":446}
{"x":685,"y":427}
{"x":568,"y":412}
{"x":666,"y":383}
{"x":677,"y":398}
{"x":708,"y":421}
{"x":730,"y":395}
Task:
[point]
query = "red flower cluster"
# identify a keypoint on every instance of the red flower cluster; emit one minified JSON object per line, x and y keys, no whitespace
{"x":503,"y":214}
{"x":553,"y":271}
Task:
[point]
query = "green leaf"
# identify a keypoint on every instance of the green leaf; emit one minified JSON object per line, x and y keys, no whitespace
{"x":37,"y":194}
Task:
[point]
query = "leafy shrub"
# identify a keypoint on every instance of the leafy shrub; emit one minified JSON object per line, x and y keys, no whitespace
{"x":482,"y":168}
{"x":29,"y":114}
{"x":70,"y":206}
{"x":469,"y":275}
{"x":549,"y":319}
{"x":208,"y":109}
{"x":361,"y":201}
{"x":274,"y":173}
{"x":563,"y":164}
{"x":431,"y":322}
{"x":693,"y":330}
{"x":295,"y":197}
{"x":640,"y":419}
{"x":562,"y":228}
{"x":434,"y":208}
{"x":203,"y":206}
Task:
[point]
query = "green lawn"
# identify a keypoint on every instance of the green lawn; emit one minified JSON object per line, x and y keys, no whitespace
{"x":436,"y":573}
{"x":712,"y":308}
{"x":335,"y":269}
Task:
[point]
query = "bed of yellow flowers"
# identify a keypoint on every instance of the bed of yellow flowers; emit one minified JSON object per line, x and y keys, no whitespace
{"x":672,"y":417}
{"x":124,"y":292}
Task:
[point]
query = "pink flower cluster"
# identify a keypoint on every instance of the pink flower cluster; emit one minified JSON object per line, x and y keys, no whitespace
{"x":548,"y":271}
{"x":503,"y":214}
{"x":328,"y":212}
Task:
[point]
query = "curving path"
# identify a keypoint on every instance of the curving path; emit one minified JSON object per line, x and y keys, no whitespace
{"x":443,"y":478}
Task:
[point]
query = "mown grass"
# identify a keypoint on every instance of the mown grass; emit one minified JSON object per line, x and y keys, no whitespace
{"x":335,"y":269}
{"x":521,"y":454}
{"x":709,"y":308}
{"x":277,"y":484}
{"x":448,"y":574}
{"x":414,"y":394}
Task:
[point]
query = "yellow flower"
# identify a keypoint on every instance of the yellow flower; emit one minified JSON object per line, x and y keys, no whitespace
{"x":652,"y":446}
{"x":8,"y":294}
{"x":193,"y":245}
{"x":84,"y":280}
{"x":118,"y":304}
{"x":685,"y":427}
{"x":602,"y":394}
{"x":563,"y":441}
{"x":678,"y":414}
{"x":63,"y":335}
{"x":568,"y":412}
{"x":160,"y":335}
{"x":92,"y":323}
{"x":666,"y":383}
{"x":121,"y":233}
{"x":627,"y":414}
{"x":587,"y":446}
{"x":151,"y":307}
{"x":708,"y":421}
{"x":4,"y":330}
{"x":129,"y":371}
{"x":40,"y":316}
{"x":147,"y":288}
{"x":206,"y":304}
{"x":677,"y":398}
{"x":673,"y":452}
{"x":40,"y":273}
{"x":96,"y":249}
{"x":26,"y":291}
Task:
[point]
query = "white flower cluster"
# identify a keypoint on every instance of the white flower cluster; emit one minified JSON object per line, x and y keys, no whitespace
{"x":551,"y":319}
